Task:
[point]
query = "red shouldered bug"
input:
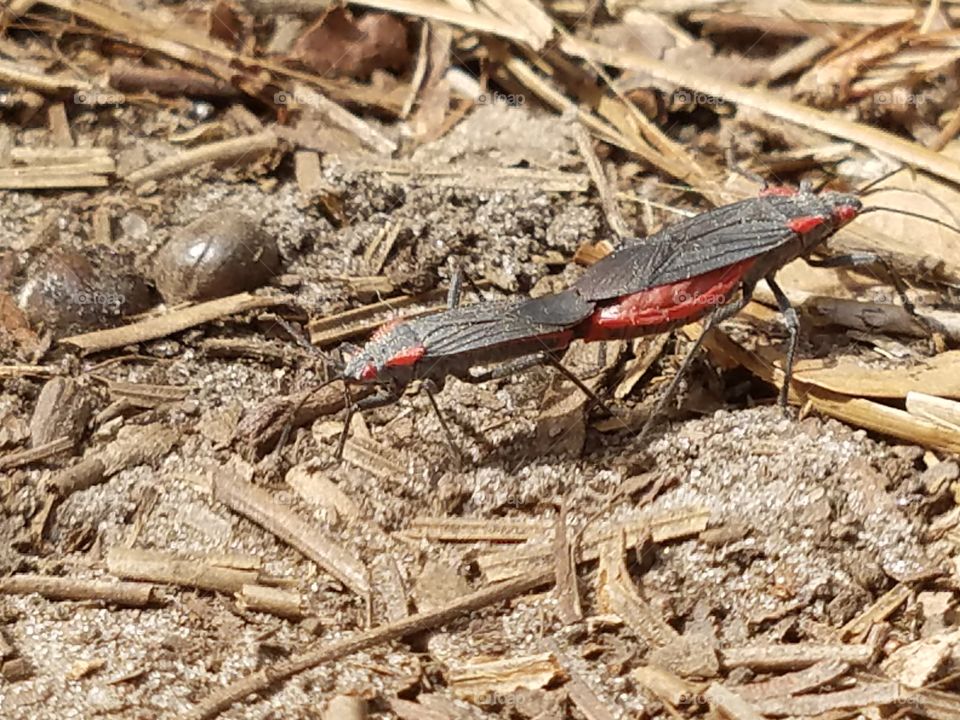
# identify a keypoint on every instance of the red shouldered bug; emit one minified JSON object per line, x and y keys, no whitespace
{"x":696,"y":267}
{"x":495,"y":334}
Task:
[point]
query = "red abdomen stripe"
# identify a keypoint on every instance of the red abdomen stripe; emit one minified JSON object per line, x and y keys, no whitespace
{"x":660,"y":308}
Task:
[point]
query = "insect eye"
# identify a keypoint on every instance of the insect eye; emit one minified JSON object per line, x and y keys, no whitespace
{"x":369,"y":372}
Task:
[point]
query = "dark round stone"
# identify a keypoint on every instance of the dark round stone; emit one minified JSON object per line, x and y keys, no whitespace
{"x":219,"y":254}
{"x":67,"y":292}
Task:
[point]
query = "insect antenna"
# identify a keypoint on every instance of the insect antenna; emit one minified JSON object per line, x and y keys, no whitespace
{"x":909,"y":213}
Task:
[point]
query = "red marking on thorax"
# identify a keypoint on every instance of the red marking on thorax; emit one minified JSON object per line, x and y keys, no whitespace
{"x":660,"y":308}
{"x":407,"y":356}
{"x":803,"y":225}
{"x":778,"y":190}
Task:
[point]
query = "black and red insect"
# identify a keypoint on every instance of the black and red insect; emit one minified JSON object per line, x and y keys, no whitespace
{"x":705,"y":266}
{"x":495,"y":335}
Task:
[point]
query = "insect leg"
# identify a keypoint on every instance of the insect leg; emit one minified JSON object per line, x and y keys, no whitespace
{"x":529,"y":361}
{"x":455,"y":292}
{"x":793,"y":328}
{"x":386,"y":396}
{"x":431,"y":388}
{"x":717,"y":317}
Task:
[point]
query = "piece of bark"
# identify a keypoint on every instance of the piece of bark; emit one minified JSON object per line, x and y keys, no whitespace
{"x":479,"y":679}
{"x":346,"y":707}
{"x":259,"y":506}
{"x":261,"y":598}
{"x":167,"y":81}
{"x":730,"y":704}
{"x":796,"y":656}
{"x":62,"y":410}
{"x":170,"y":569}
{"x":62,"y":588}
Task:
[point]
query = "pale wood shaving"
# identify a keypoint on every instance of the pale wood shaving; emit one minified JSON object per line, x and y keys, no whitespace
{"x":476,"y":679}
{"x":795,"y":683}
{"x":460,"y":529}
{"x":777,"y":658}
{"x":260,"y":507}
{"x":868,"y":695}
{"x":235,"y":150}
{"x":173,"y":321}
{"x":729,"y":704}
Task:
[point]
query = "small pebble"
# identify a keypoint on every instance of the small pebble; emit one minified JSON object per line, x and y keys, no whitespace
{"x":66,"y":292}
{"x":219,"y":254}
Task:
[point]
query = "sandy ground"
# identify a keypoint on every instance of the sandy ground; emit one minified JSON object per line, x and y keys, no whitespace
{"x":818,"y":519}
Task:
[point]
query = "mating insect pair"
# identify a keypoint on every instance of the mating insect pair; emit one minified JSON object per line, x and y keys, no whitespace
{"x":705,"y":266}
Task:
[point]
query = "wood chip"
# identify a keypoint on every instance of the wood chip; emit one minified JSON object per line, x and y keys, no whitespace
{"x":345,"y":707}
{"x":795,"y":683}
{"x":374,"y":457}
{"x":459,"y":529}
{"x":260,"y":598}
{"x":482,"y":679}
{"x":882,"y":608}
{"x":246,"y":148}
{"x":474,"y":177}
{"x":939,"y":375}
{"x":36,"y":454}
{"x":935,"y":409}
{"x":857,"y":699}
{"x":172,"y":569}
{"x":729,"y":704}
{"x":778,"y":658}
{"x":61,"y":588}
{"x":259,"y":506}
{"x":915,"y":664}
{"x":667,"y":686}
{"x":170,"y":322}
{"x":568,"y":592}
{"x":317,"y":490}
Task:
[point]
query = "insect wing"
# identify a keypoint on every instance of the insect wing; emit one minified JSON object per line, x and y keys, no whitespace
{"x":692,"y":247}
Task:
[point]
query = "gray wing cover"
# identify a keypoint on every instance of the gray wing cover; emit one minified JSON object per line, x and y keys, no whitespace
{"x":691,"y":247}
{"x":486,"y":324}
